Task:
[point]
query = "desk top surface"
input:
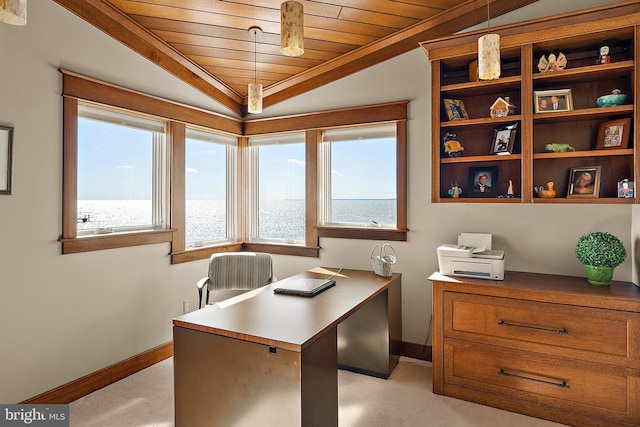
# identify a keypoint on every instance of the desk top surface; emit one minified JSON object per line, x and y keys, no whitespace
{"x":287,"y":321}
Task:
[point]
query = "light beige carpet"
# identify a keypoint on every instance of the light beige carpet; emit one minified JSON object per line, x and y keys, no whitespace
{"x":145,"y":399}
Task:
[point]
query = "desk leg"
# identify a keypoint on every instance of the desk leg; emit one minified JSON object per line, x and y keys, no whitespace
{"x":221,"y":381}
{"x":369,"y":340}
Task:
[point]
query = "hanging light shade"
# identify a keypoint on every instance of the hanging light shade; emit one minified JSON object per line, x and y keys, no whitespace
{"x":291,"y":28}
{"x":13,"y":12}
{"x":254,"y":98}
{"x":489,"y":54}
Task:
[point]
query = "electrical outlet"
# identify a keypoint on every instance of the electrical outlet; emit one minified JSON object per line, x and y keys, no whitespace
{"x":186,"y":307}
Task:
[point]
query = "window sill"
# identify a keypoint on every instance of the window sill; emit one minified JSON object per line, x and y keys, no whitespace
{"x":116,"y":240}
{"x":272,"y":248}
{"x":391,"y":234}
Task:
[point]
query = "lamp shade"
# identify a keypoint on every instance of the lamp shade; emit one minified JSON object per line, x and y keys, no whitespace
{"x":13,"y":12}
{"x":291,"y":28}
{"x":255,"y":98}
{"x":489,"y":57}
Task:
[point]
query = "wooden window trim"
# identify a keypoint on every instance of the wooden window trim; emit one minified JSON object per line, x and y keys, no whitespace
{"x":80,"y":88}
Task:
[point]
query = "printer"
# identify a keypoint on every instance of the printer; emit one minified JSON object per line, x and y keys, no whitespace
{"x":471,"y":257}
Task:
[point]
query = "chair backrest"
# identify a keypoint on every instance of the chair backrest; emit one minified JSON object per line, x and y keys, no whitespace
{"x":239,"y":270}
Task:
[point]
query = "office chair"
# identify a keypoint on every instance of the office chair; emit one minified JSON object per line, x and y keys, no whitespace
{"x":235,"y":271}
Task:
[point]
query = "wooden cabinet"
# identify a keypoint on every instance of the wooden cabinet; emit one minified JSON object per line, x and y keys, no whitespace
{"x":529,"y":164}
{"x":547,"y":346}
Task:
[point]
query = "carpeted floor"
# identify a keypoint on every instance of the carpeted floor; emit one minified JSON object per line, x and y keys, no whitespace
{"x":145,"y":399}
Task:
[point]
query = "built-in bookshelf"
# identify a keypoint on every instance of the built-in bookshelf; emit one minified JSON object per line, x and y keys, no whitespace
{"x":528,"y":162}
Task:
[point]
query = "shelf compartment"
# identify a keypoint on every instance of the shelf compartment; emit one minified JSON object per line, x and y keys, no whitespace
{"x":488,"y":158}
{"x":584,"y":113}
{"x":571,"y":75}
{"x":474,"y":88}
{"x":599,"y":200}
{"x":482,"y":121}
{"x":591,"y":153}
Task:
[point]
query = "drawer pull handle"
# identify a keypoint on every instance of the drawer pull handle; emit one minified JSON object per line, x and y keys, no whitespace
{"x":563,"y":384}
{"x":514,"y":325}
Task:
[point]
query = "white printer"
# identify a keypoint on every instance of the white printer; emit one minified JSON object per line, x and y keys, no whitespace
{"x":471,"y":257}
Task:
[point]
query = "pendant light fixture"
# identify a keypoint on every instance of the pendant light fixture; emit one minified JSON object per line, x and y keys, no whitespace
{"x":489,"y":53}
{"x":13,"y":12}
{"x":291,"y":28}
{"x":254,"y":102}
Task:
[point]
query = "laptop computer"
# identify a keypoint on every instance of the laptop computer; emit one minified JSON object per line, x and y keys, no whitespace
{"x":304,"y":287}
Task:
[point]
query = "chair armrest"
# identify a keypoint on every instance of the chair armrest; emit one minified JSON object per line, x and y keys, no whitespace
{"x":202,"y":284}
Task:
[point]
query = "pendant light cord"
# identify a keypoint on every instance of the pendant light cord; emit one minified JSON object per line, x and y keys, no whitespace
{"x":488,"y":18}
{"x":255,"y":57}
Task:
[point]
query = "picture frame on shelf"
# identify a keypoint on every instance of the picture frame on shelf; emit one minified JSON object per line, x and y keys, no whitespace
{"x":613,"y":134}
{"x":584,"y":182}
{"x":6,"y":157}
{"x":455,"y":109}
{"x":626,"y":189}
{"x":549,"y":101}
{"x":483,"y":181}
{"x":503,"y":139}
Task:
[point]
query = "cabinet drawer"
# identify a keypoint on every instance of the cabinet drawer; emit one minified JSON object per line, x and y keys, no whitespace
{"x":601,"y":390}
{"x":583,"y":332}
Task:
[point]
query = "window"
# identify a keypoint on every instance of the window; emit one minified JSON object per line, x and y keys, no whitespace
{"x":358,"y":167}
{"x":121,"y":175}
{"x":277,"y":188}
{"x":210,"y":169}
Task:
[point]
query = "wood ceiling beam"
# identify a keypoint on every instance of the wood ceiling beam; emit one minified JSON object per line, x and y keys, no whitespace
{"x":105,"y":17}
{"x":449,"y":22}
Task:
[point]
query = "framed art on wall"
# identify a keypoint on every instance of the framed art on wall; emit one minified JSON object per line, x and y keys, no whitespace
{"x":6,"y":154}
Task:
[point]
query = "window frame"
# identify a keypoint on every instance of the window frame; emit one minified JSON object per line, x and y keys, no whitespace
{"x":79,"y":88}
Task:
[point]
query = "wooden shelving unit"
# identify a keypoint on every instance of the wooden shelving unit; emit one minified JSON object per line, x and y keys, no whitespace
{"x":577,"y":35}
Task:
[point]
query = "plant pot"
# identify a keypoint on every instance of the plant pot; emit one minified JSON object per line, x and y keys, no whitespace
{"x":599,"y":276}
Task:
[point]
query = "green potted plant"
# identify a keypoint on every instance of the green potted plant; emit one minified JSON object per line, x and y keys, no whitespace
{"x":600,"y":252}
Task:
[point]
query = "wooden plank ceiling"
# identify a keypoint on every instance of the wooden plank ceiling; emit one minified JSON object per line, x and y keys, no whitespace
{"x":206,"y":43}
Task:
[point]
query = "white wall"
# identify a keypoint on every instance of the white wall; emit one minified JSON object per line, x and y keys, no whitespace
{"x":62,"y":317}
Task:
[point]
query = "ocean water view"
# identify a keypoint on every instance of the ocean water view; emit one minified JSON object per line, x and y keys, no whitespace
{"x":206,"y":219}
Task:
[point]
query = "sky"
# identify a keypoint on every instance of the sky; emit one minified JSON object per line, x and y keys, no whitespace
{"x":115,"y":163}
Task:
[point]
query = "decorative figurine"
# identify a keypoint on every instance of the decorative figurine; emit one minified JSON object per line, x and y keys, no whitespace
{"x":603,"y":55}
{"x":625,"y":189}
{"x":454,"y":191}
{"x":553,"y":63}
{"x":559,"y":148}
{"x":451,"y":145}
{"x":546,"y":192}
{"x":510,"y":191}
{"x":502,"y":107}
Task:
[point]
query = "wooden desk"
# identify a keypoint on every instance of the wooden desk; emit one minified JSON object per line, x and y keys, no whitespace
{"x":266,"y":359}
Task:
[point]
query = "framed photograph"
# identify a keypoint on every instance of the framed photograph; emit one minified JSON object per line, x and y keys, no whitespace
{"x":547,"y":101}
{"x":455,"y":109}
{"x":626,"y":189}
{"x":6,"y":150}
{"x":503,"y":139}
{"x":483,"y":182}
{"x":584,"y":182}
{"x":614,"y":134}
